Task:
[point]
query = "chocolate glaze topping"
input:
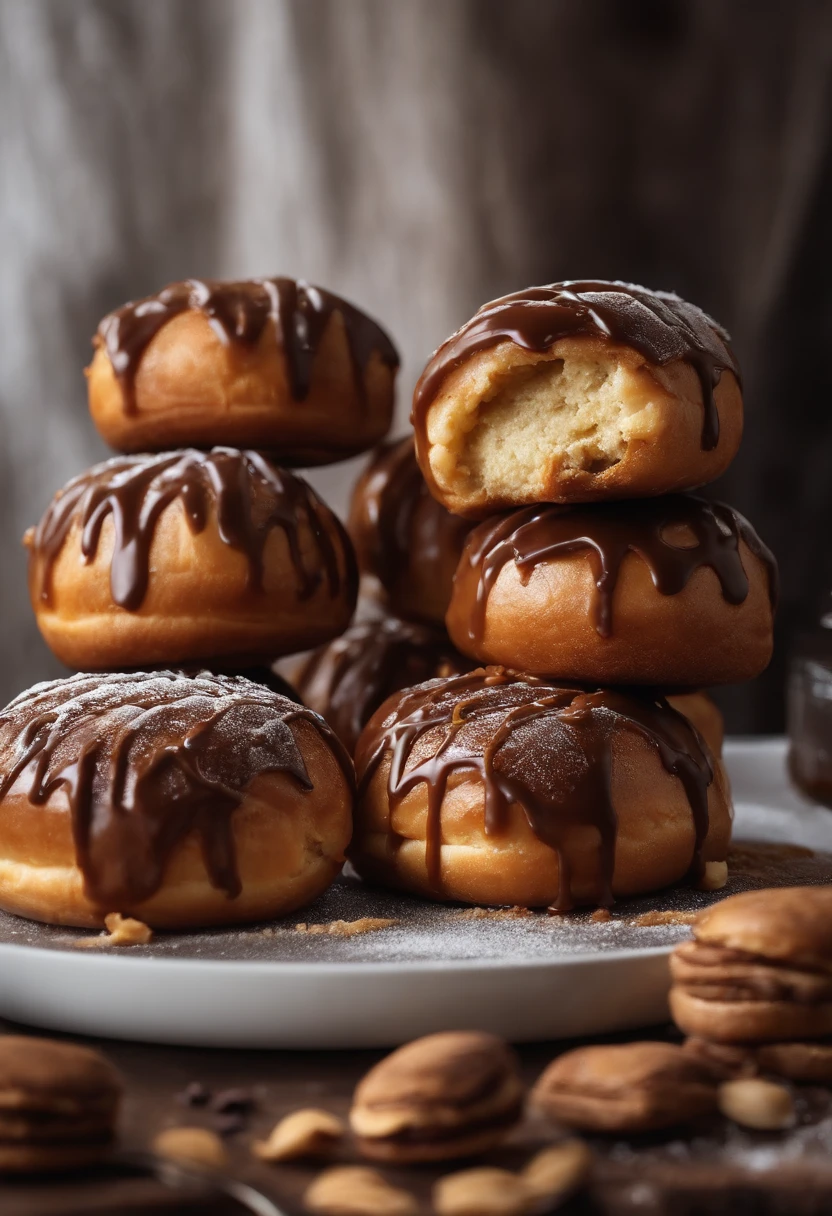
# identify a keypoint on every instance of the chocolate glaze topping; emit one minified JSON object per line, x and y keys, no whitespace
{"x":147,"y":759}
{"x":349,"y":678}
{"x":545,"y":747}
{"x":658,"y":324}
{"x":675,"y":535}
{"x":239,"y":312}
{"x":394,"y":515}
{"x":248,"y":495}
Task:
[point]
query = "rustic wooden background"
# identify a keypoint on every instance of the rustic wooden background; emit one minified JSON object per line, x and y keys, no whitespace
{"x":421,"y":156}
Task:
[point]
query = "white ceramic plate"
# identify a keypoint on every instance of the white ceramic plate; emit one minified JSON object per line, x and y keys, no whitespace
{"x":436,"y":968}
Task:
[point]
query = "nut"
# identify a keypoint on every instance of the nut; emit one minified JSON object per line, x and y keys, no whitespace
{"x":558,"y":1169}
{"x":305,"y":1133}
{"x":483,"y":1192}
{"x":714,"y":876}
{"x":440,"y":1097}
{"x":193,"y":1146}
{"x":353,"y":1190}
{"x":762,"y":1105}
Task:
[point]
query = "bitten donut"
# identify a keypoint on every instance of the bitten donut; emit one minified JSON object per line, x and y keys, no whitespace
{"x":403,"y":537}
{"x":499,"y":788}
{"x":181,"y":801}
{"x":673,"y":591}
{"x":346,"y":680}
{"x":187,"y":555}
{"x":575,"y":392}
{"x":273,"y":364}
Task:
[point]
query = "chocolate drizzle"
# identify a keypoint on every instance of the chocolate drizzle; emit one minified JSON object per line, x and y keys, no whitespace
{"x":544,"y":747}
{"x":346,"y":680}
{"x":675,"y":536}
{"x":393,"y":517}
{"x":146,"y":760}
{"x":248,"y":495}
{"x":658,"y":324}
{"x":239,"y":312}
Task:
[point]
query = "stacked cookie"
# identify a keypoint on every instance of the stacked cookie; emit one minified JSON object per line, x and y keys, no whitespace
{"x":573,"y":421}
{"x":183,"y":798}
{"x":753,"y":989}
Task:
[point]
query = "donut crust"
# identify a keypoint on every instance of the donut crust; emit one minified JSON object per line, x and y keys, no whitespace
{"x":198,"y":604}
{"x":191,"y":388}
{"x":654,"y":844}
{"x":685,"y":640}
{"x":584,"y":421}
{"x":289,"y":845}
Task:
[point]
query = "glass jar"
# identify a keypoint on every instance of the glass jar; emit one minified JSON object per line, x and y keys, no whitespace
{"x":809,"y":710}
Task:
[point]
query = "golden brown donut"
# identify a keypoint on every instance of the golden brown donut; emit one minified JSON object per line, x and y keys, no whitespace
{"x":273,"y":364}
{"x":577,"y":392}
{"x":346,"y":680}
{"x":403,"y":537}
{"x":705,"y":715}
{"x":673,"y":591}
{"x":759,"y":968}
{"x":183,"y":801}
{"x":147,"y":560}
{"x":491,"y":788}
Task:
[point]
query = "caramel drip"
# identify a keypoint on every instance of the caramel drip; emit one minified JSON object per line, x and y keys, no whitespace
{"x":146,"y":760}
{"x":239,"y":312}
{"x":676,"y":536}
{"x":559,"y":775}
{"x":658,"y":324}
{"x":348,"y":679}
{"x":248,"y":495}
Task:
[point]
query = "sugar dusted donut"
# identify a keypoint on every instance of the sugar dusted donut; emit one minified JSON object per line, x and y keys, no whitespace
{"x":188,"y":556}
{"x":403,"y":536}
{"x":183,"y":801}
{"x":499,"y":788}
{"x":673,"y":591}
{"x":273,"y":364}
{"x":576,"y":392}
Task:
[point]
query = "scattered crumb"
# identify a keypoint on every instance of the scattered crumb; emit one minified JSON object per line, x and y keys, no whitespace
{"x":347,"y":928}
{"x":650,"y":920}
{"x":121,"y":931}
{"x":600,"y":915}
{"x":515,"y":913}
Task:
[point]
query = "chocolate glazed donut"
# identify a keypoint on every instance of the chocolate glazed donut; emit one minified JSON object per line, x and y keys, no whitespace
{"x":107,"y":778}
{"x":663,"y":327}
{"x":666,"y":591}
{"x":448,"y":763}
{"x":577,"y":392}
{"x":188,"y":555}
{"x":346,"y":680}
{"x":271,"y":345}
{"x":403,"y":536}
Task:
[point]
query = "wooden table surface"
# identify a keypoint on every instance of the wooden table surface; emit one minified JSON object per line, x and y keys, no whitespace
{"x":710,"y":1169}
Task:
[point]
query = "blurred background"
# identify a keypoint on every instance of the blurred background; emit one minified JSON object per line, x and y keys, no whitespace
{"x":421,"y":157}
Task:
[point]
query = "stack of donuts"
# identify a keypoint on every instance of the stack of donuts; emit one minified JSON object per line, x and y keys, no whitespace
{"x":562,"y":434}
{"x":163,"y":781}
